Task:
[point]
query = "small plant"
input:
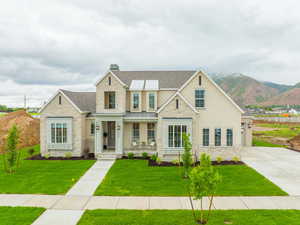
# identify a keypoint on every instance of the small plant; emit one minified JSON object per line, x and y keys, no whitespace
{"x":30,"y":151}
{"x":68,"y":155}
{"x":145,"y":155}
{"x":219,"y":159}
{"x":130,"y":155}
{"x":176,"y":162}
{"x":236,"y":159}
{"x":154,"y":157}
{"x":158,"y":160}
{"x":204,"y":182}
{"x":47,"y":156}
{"x":187,"y":156}
{"x":11,"y":156}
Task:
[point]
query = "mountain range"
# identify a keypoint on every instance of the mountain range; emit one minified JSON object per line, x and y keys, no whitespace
{"x":246,"y":90}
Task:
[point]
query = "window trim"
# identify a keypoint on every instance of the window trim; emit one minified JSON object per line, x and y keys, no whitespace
{"x":215,"y":135}
{"x":203,"y":137}
{"x":108,"y":103}
{"x":67,"y":145}
{"x":232,"y":137}
{"x":203,"y":98}
{"x":148,"y":101}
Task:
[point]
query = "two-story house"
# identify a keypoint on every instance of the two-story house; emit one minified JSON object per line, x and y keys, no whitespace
{"x":145,"y":111}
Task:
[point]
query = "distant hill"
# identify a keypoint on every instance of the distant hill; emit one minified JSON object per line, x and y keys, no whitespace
{"x":280,"y":87}
{"x":290,"y":97}
{"x":246,"y":90}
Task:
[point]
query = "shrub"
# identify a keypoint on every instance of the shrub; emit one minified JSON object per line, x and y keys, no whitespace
{"x":130,"y":155}
{"x":187,"y":156}
{"x":68,"y":155}
{"x":236,"y":159}
{"x":11,"y":156}
{"x":204,"y":181}
{"x":176,"y":162}
{"x":219,"y":159}
{"x":30,"y":151}
{"x":154,"y":157}
{"x":47,"y":156}
{"x":158,"y":160}
{"x":145,"y":155}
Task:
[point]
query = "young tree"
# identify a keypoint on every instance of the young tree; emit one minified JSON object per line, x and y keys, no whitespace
{"x":11,"y":155}
{"x":187,"y":155}
{"x":204,"y":182}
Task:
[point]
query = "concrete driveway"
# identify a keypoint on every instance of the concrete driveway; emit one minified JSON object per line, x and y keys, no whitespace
{"x":280,"y":165}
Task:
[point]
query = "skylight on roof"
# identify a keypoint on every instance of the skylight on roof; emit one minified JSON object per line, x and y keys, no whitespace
{"x":137,"y":85}
{"x":152,"y":85}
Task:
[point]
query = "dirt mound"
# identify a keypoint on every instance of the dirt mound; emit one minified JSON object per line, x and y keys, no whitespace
{"x":29,"y":128}
{"x":295,"y":143}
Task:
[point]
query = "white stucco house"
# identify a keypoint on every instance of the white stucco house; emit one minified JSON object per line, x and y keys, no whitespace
{"x":145,"y":111}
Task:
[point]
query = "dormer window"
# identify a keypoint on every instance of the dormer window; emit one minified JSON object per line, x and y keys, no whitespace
{"x":151,"y":101}
{"x":109,"y":81}
{"x":59,"y":100}
{"x":136,"y":100}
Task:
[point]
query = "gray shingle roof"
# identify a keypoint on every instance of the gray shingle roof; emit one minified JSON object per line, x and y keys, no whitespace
{"x":167,"y":79}
{"x":85,"y":101}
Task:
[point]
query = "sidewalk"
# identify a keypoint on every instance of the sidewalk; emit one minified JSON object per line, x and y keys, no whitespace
{"x":81,"y":203}
{"x":66,"y":209}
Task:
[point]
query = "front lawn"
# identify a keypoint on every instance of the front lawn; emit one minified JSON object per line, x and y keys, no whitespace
{"x":136,"y":178}
{"x":184,"y":217}
{"x":42,"y":176}
{"x":19,"y":215}
{"x":263,"y":143}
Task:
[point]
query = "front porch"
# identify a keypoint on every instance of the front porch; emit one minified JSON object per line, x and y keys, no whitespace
{"x":116,"y":135}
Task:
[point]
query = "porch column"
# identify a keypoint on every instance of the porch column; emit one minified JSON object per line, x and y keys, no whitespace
{"x":98,"y":136}
{"x":119,"y":136}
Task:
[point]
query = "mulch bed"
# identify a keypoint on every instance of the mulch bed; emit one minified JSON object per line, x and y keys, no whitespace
{"x":39,"y":157}
{"x":214,"y":163}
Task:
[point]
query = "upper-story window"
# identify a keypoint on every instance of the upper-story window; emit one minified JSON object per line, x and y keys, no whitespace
{"x":199,"y":98}
{"x":136,"y":100}
{"x":177,"y":103}
{"x":109,"y":81}
{"x":59,"y":100}
{"x":110,"y":100}
{"x":200,"y":80}
{"x":151,"y":101}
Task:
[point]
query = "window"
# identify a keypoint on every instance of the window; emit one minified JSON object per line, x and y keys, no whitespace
{"x":177,"y":103}
{"x":136,"y":100}
{"x":92,"y":127}
{"x":205,"y":137}
{"x":199,"y":98}
{"x":218,"y":134}
{"x":109,"y":81}
{"x":229,"y":137}
{"x":175,"y":138}
{"x":151,"y":99}
{"x":151,"y":132}
{"x":59,"y":133}
{"x":110,"y":100}
{"x":200,"y":80}
{"x":135,"y":132}
{"x":59,"y":100}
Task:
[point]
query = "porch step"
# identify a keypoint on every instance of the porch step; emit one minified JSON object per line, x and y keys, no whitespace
{"x":107,"y":156}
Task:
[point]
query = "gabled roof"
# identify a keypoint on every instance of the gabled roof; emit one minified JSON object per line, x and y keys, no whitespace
{"x":83,"y":102}
{"x":166,"y":79}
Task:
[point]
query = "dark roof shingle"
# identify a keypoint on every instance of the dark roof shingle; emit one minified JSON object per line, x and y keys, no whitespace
{"x":85,"y":101}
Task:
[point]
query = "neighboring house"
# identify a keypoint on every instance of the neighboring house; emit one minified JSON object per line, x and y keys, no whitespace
{"x":145,"y":111}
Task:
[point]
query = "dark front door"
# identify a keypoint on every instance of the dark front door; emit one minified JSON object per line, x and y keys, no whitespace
{"x":111,"y":134}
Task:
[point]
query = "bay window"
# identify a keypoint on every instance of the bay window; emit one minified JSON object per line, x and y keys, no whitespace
{"x":59,"y":133}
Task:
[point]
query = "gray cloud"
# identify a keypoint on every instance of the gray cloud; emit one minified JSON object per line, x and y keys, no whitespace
{"x":71,"y":43}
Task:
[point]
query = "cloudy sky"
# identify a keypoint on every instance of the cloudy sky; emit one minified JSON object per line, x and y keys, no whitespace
{"x":46,"y":45}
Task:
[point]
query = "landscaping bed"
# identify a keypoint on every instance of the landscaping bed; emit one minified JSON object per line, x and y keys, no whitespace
{"x":215,"y":163}
{"x":19,"y":215}
{"x":136,"y":178}
{"x":91,"y":156}
{"x":185,"y":217}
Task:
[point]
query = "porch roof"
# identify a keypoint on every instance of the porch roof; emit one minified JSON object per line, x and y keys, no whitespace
{"x":138,"y":116}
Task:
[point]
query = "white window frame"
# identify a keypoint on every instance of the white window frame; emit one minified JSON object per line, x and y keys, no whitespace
{"x":209,"y":137}
{"x":174,"y":121}
{"x":204,"y":97}
{"x":132,"y":102}
{"x":148,"y":102}
{"x":215,"y":140}
{"x":59,"y":146}
{"x":232,"y":141}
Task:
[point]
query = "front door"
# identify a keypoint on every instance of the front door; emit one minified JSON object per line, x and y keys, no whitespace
{"x":111,"y":134}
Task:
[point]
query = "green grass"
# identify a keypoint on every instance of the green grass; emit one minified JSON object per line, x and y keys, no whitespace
{"x":277,"y":125}
{"x":19,"y":215}
{"x":263,"y":143}
{"x":136,"y":178}
{"x":283,"y":132}
{"x":184,"y":217}
{"x":42,"y":176}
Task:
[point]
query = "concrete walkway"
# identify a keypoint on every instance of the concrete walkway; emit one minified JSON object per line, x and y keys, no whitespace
{"x":68,"y":209}
{"x":279,"y":165}
{"x":59,"y":204}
